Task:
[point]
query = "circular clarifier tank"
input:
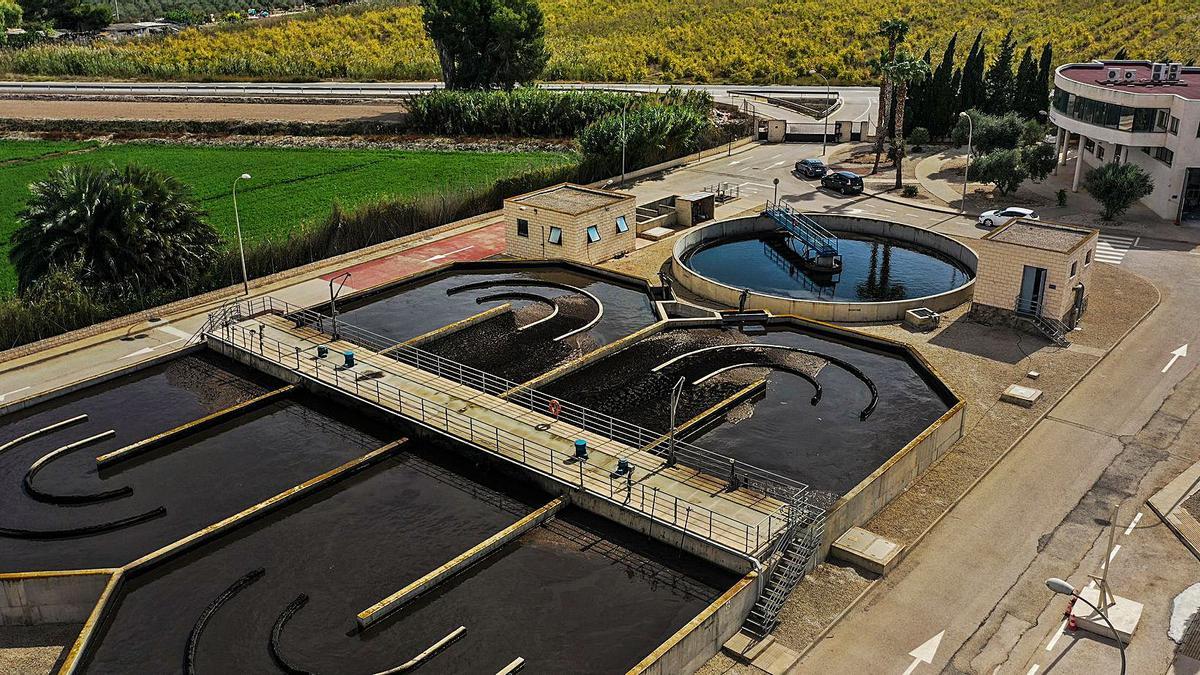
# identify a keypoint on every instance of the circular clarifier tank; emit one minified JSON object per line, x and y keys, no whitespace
{"x":886,"y":268}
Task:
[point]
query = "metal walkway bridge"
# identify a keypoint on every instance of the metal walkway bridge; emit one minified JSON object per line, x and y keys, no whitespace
{"x":818,"y":241}
{"x":727,"y":503}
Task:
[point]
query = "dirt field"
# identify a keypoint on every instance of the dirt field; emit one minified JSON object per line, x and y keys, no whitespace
{"x":193,"y":110}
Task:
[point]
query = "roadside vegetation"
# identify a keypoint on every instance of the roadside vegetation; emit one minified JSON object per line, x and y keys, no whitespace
{"x":767,"y":41}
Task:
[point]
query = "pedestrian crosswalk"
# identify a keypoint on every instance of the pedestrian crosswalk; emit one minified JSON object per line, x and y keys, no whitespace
{"x":1112,"y":248}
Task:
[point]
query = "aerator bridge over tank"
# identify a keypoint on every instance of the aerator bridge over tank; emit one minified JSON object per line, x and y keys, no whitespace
{"x":819,"y":246}
{"x":728,"y":511}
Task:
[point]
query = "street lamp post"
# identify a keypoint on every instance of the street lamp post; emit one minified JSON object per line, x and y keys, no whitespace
{"x":676,"y":391}
{"x":238,"y":221}
{"x":1063,"y":588}
{"x":825,"y":119}
{"x":967,"y":174}
{"x":776,"y":201}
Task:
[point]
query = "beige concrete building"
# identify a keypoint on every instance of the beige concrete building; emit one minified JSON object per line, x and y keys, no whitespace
{"x":571,"y":222}
{"x":1036,"y":270}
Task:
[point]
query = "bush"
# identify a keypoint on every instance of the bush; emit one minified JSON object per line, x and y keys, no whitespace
{"x":991,"y":132}
{"x":1002,"y":168}
{"x":909,"y":191}
{"x":1117,"y":187}
{"x":652,"y":134}
{"x":521,"y":112}
{"x":918,"y":137}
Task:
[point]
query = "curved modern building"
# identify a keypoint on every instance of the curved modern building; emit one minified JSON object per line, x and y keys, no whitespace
{"x":1134,"y":111}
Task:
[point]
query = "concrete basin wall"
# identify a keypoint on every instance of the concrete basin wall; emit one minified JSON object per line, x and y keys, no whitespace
{"x":841,"y":312}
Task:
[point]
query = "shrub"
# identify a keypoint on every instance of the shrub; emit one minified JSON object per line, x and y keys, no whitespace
{"x":521,"y":112}
{"x":918,"y":138}
{"x":1002,"y":168}
{"x":991,"y":132}
{"x":909,"y":191}
{"x":652,"y":134}
{"x":1117,"y":187}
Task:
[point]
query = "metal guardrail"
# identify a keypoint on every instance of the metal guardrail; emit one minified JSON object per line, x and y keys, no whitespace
{"x":738,"y":473}
{"x":670,"y":510}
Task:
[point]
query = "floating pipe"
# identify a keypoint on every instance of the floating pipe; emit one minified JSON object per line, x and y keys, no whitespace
{"x":44,"y":430}
{"x":277,"y":631}
{"x":533,"y":297}
{"x":193,"y":643}
{"x":516,"y":664}
{"x":817,"y":391}
{"x":82,"y":531}
{"x":45,"y":459}
{"x":534,"y":282}
{"x":844,"y":365}
{"x":427,"y":654}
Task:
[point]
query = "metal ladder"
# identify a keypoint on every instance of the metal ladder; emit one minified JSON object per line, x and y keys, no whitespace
{"x":815,"y":238}
{"x":1055,"y":330}
{"x":799,"y":556}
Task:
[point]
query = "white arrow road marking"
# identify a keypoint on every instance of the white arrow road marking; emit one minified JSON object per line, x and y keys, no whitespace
{"x":10,"y":393}
{"x":1133,"y":523}
{"x":924,"y":653}
{"x":448,"y":254}
{"x":148,"y":350}
{"x":1175,"y":356}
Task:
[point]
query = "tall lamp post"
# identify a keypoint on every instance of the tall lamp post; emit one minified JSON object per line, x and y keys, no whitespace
{"x":967,"y":174}
{"x":238,"y":221}
{"x":676,"y":391}
{"x":1063,"y":588}
{"x":825,"y":119}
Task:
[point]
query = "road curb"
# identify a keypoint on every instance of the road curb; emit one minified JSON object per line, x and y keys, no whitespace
{"x":971,"y":488}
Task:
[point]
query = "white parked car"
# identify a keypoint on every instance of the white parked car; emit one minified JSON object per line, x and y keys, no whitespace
{"x":999,"y":217}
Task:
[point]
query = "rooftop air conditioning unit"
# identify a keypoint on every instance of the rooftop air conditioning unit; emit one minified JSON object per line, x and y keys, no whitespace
{"x":1114,"y":74}
{"x":1158,"y":72}
{"x":1130,"y":75}
{"x":1173,"y":71}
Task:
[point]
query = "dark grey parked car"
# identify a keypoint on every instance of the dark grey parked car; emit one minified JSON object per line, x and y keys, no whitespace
{"x":845,"y":182}
{"x":811,"y":168}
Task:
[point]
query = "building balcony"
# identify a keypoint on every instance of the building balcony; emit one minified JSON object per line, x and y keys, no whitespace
{"x":1108,"y":134}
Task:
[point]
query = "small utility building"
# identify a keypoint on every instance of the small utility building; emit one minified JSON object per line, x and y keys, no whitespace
{"x":570,"y":222}
{"x":1035,"y":270}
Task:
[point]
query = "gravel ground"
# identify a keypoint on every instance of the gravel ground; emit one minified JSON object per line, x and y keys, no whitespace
{"x":25,"y":650}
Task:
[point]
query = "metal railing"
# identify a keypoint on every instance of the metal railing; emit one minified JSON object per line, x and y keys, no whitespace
{"x":669,"y":510}
{"x":1052,"y":328}
{"x":739,"y":474}
{"x":807,"y":230}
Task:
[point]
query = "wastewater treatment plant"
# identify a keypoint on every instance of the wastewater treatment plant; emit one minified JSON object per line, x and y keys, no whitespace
{"x":483,"y":467}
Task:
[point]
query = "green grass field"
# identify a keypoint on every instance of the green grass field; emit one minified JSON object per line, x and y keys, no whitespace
{"x":289,"y":186}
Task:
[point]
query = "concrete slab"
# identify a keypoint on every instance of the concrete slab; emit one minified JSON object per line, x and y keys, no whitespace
{"x":1022,"y":396}
{"x":657,"y":233}
{"x":867,"y":550}
{"x":745,"y":647}
{"x":1124,"y":615}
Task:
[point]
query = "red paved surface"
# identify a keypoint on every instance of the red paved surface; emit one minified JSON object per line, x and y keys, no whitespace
{"x":474,"y":245}
{"x":1188,"y":85}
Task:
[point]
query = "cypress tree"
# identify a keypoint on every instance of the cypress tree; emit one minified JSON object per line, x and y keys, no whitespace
{"x":1045,"y":66}
{"x":916,"y":112}
{"x":1121,"y":55}
{"x":973,"y":89}
{"x":942,"y":93}
{"x":1029,"y":97}
{"x":1000,"y":79}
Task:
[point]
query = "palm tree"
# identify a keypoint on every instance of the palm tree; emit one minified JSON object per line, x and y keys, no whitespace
{"x":119,"y":226}
{"x":896,"y":31}
{"x":904,"y":70}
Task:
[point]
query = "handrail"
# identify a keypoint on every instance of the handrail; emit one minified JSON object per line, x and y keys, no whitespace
{"x":808,"y":230}
{"x":768,"y":482}
{"x":671,"y":511}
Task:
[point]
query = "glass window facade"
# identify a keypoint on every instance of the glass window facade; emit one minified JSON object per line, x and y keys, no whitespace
{"x":1110,"y":115}
{"x":555,"y":235}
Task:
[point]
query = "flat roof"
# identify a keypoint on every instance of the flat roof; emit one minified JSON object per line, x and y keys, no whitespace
{"x":1096,"y":73}
{"x":1040,"y":234}
{"x":571,"y":198}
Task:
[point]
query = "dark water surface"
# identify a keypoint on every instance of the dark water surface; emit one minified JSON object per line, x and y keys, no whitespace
{"x":873,"y":270}
{"x":199,"y":479}
{"x":826,"y":446}
{"x":573,"y":602}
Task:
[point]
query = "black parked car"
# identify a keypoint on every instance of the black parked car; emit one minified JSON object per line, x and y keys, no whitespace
{"x":811,"y":168}
{"x":845,"y":182}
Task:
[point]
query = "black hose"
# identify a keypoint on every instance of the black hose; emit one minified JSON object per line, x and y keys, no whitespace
{"x":82,"y":531}
{"x":193,"y":643}
{"x":277,"y":632}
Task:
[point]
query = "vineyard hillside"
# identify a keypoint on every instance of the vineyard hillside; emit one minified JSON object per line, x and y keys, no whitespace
{"x":736,"y":41}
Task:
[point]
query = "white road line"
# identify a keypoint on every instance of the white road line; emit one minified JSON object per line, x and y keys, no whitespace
{"x":10,"y":393}
{"x":776,"y":155}
{"x":1133,"y":523}
{"x":172,"y":330}
{"x":1033,"y":669}
{"x":1111,"y":556}
{"x":1057,"y":634}
{"x":776,"y":164}
{"x":735,"y":162}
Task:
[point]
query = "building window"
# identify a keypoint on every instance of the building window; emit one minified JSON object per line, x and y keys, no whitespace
{"x":1164,"y":155}
{"x":593,"y":234}
{"x":1074,"y":269}
{"x":555,"y":235}
{"x":1087,"y":258}
{"x":622,"y":224}
{"x":1160,"y":120}
{"x":522,"y":227}
{"x":1089,"y":145}
{"x":1173,"y":128}
{"x":1100,"y":152}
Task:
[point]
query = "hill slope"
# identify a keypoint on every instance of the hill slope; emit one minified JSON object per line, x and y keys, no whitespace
{"x":740,"y":41}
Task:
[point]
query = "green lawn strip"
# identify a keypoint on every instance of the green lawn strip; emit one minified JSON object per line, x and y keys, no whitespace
{"x":290,"y":186}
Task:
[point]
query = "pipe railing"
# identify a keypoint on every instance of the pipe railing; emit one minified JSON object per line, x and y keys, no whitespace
{"x":736,"y":472}
{"x":669,"y":510}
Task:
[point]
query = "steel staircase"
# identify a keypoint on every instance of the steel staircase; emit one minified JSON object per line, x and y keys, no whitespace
{"x":818,"y":242}
{"x":801,"y":545}
{"x":1054,"y":330}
